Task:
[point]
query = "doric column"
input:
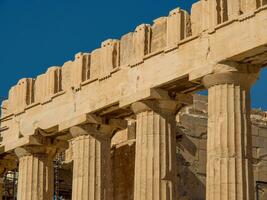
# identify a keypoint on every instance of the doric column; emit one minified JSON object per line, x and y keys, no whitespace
{"x":155,"y":161}
{"x":36,"y":175}
{"x":92,"y":162}
{"x":229,"y":149}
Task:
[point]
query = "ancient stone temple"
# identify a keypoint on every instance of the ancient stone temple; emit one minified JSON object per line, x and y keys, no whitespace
{"x":127,"y":121}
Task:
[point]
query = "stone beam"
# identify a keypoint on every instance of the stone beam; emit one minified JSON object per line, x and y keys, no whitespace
{"x":157,"y":58}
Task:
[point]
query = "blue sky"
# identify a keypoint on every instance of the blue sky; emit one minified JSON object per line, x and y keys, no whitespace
{"x":36,"y":34}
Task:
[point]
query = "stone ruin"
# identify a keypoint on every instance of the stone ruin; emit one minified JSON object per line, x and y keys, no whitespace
{"x":134,"y":91}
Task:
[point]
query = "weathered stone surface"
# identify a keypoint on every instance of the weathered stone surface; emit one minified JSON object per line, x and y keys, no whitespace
{"x":192,"y":157}
{"x":5,"y":108}
{"x":152,"y":63}
{"x":77,"y":71}
{"x":229,"y":145}
{"x":159,"y":34}
{"x":36,"y":175}
{"x":110,"y":51}
{"x":127,"y":49}
{"x":155,"y":163}
{"x":21,"y":95}
{"x":47,"y":85}
{"x":91,"y":168}
{"x":178,"y":26}
{"x":134,"y":46}
{"x":91,"y":164}
{"x":95,"y":64}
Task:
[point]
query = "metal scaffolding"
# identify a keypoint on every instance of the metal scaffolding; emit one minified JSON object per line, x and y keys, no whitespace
{"x":62,"y":187}
{"x":10,"y":183}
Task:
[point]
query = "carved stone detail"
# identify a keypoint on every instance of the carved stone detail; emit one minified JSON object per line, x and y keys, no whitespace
{"x":155,"y":162}
{"x":229,"y":149}
{"x":36,"y":174}
{"x":91,"y":165}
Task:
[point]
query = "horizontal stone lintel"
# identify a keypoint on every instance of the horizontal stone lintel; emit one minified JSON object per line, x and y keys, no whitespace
{"x":194,"y":59}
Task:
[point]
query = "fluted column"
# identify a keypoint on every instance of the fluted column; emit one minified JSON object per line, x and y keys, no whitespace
{"x":229,"y":149}
{"x":155,"y":161}
{"x":36,"y":175}
{"x":91,"y":165}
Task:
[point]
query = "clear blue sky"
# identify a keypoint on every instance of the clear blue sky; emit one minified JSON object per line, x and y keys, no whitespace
{"x":36,"y":34}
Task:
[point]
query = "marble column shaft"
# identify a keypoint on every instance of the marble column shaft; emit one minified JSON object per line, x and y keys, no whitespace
{"x":155,"y":162}
{"x":229,"y":145}
{"x":36,"y":176}
{"x":91,"y":168}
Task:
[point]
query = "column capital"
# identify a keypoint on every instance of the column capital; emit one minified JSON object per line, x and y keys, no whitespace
{"x":242,"y":74}
{"x":35,"y":151}
{"x":155,"y":105}
{"x":162,"y":105}
{"x":99,"y":131}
